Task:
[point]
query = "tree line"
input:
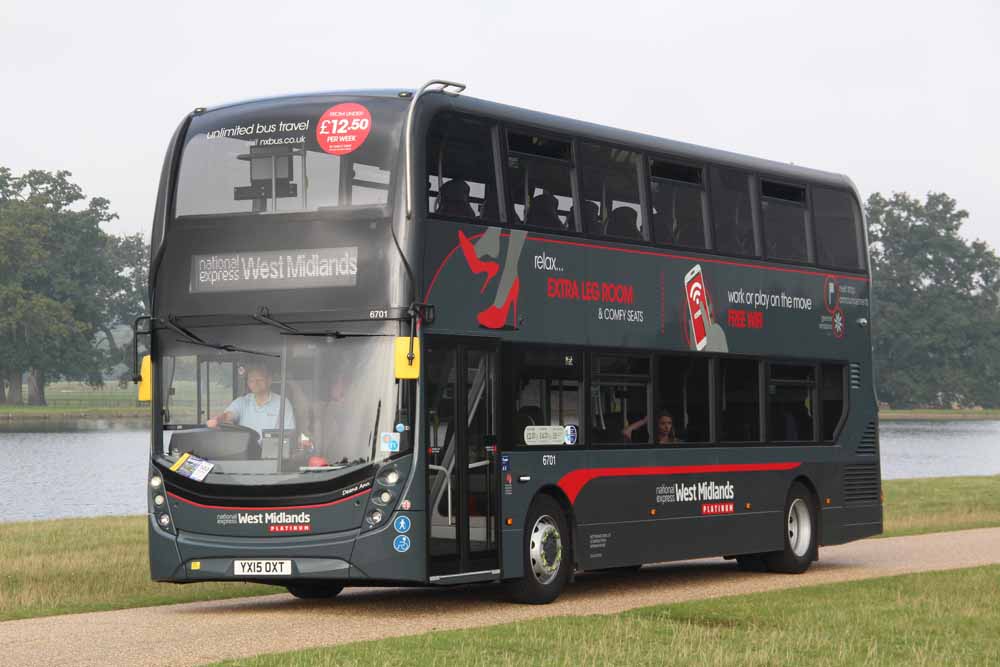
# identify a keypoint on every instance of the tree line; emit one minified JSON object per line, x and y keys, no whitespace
{"x":65,"y":284}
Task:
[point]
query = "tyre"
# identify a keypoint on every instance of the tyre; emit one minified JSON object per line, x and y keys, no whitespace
{"x":548,"y":554}
{"x":314,"y":590}
{"x":800,"y":530}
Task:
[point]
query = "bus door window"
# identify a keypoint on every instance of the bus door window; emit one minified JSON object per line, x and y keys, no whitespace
{"x":620,"y":406}
{"x":609,"y":180}
{"x":731,"y":212}
{"x":682,"y":392}
{"x":481,"y":446}
{"x":832,"y":394}
{"x":783,"y":218}
{"x":679,"y":204}
{"x":442,"y":482}
{"x":546,"y":390}
{"x":739,"y":400}
{"x":539,"y":181}
{"x":791,"y":409}
{"x":460,"y":178}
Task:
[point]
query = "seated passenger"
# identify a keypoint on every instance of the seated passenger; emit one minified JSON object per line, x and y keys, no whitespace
{"x":260,"y":408}
{"x":665,"y":433}
{"x":453,"y":200}
{"x":622,"y":223}
{"x":589,"y":214}
{"x":544,"y":211}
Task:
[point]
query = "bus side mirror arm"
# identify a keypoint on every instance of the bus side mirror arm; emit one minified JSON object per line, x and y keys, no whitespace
{"x":136,"y":332}
{"x":433,"y":86}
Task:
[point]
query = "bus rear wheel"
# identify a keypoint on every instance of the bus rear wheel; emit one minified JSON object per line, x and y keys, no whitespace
{"x":547,"y":552}
{"x":800,"y":534}
{"x":314,"y":590}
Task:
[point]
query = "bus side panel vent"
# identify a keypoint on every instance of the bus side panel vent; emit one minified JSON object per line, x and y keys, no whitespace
{"x":868,"y":446}
{"x":855,"y":372}
{"x":861,"y":484}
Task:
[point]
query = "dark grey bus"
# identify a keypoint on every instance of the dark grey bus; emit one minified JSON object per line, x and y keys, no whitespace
{"x":416,"y":338}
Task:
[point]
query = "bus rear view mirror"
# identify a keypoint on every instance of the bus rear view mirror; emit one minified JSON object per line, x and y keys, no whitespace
{"x":407,"y":368}
{"x":146,"y":379}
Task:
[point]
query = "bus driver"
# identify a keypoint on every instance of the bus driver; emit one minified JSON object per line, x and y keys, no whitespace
{"x":259,"y":409}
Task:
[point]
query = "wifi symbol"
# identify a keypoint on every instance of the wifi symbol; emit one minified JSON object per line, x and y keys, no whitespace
{"x":695,"y":292}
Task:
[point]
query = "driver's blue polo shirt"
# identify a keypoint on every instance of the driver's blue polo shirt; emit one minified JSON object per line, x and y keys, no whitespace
{"x":246,"y":412}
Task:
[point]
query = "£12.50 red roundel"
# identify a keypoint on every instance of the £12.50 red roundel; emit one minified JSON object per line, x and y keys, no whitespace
{"x":343,"y":128}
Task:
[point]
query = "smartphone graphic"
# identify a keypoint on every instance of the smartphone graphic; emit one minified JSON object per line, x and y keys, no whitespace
{"x":694,"y":287}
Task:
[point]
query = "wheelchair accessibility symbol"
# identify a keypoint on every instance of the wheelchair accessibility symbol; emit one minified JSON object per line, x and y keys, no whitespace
{"x":402,"y":524}
{"x":401,"y":544}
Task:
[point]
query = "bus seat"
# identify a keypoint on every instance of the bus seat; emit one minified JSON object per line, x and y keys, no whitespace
{"x":622,"y":223}
{"x":532,"y":412}
{"x":544,"y":211}
{"x":453,"y":200}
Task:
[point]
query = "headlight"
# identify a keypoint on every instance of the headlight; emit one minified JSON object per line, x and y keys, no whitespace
{"x":156,"y":481}
{"x":158,"y":499}
{"x":392,"y":477}
{"x":376,"y":516}
{"x":385,"y":497}
{"x":164,"y":520}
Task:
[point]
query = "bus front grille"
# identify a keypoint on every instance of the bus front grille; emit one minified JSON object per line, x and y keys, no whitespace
{"x":861,"y":484}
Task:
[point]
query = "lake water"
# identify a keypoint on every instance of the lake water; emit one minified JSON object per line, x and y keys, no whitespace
{"x":92,"y":467}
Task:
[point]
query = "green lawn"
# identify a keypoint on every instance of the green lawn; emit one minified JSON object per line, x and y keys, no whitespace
{"x":933,"y":618}
{"x":75,"y":565}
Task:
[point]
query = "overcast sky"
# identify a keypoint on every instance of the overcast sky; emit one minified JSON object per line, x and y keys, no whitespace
{"x":900,"y":96}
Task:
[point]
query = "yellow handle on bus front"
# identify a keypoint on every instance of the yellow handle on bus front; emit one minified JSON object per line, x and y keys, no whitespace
{"x":146,"y":379}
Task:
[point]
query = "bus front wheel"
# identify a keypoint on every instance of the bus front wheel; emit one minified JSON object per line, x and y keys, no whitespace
{"x":800,"y":534}
{"x":314,"y":590}
{"x":547,"y":552}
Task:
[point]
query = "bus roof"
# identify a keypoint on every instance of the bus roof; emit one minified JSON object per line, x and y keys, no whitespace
{"x":571,"y":126}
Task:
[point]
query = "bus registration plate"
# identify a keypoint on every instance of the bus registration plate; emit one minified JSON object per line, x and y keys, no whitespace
{"x":266,"y":568}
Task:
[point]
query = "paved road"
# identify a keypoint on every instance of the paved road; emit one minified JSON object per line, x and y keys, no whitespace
{"x":195,"y":633}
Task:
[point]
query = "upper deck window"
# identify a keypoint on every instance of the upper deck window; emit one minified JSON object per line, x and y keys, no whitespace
{"x":731,"y":214}
{"x":679,"y":204}
{"x":461,"y":179}
{"x":609,"y":182}
{"x":290,"y":156}
{"x":538,"y":177}
{"x":835,"y":220}
{"x":783,"y":215}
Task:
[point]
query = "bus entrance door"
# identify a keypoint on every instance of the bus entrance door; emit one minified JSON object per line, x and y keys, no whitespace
{"x":460,"y":389}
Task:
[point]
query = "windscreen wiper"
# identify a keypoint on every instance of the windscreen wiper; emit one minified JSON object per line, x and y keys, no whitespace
{"x":263,"y":315}
{"x":331,"y":334}
{"x":197,"y":340}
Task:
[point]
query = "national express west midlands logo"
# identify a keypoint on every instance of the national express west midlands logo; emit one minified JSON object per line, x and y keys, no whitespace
{"x":714,"y":498}
{"x":276,"y":522}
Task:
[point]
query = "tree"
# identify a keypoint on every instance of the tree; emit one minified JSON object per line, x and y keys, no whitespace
{"x":935,"y":303}
{"x":60,"y":281}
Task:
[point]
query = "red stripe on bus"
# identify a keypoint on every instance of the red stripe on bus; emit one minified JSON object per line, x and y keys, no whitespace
{"x":572,"y":483}
{"x":265,"y":509}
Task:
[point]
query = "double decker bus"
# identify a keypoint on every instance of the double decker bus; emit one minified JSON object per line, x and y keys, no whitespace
{"x":417,"y":338}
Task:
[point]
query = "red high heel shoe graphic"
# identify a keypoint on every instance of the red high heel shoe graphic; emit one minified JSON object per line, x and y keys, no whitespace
{"x":477,"y":265}
{"x":496,"y":318}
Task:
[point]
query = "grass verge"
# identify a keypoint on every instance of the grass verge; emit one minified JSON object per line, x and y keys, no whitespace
{"x":915,"y":506}
{"x":76,"y":565}
{"x":930,"y":618}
